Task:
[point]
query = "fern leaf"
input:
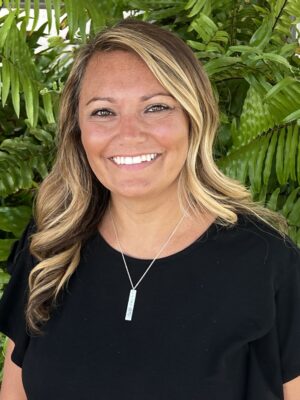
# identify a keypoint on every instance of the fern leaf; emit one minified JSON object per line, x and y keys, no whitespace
{"x":4,"y":31}
{"x":287,"y":153}
{"x":294,"y":216}
{"x":255,"y":118}
{"x":15,"y":89}
{"x":197,"y":7}
{"x":5,"y":80}
{"x":263,"y":34}
{"x":280,"y":157}
{"x":5,"y":247}
{"x":293,"y":152}
{"x":272,"y":202}
{"x":269,"y":159}
{"x":36,"y":9}
{"x":48,"y":107}
{"x":56,"y":5}
{"x":49,"y":14}
{"x":290,"y":201}
{"x":14,"y":219}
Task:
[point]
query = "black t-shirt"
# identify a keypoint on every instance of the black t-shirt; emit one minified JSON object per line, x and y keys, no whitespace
{"x":219,"y":320}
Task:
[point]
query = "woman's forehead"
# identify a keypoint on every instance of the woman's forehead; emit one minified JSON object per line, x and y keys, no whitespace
{"x":110,"y":72}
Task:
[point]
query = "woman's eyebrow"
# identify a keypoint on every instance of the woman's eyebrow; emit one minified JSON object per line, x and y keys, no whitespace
{"x":112,"y":100}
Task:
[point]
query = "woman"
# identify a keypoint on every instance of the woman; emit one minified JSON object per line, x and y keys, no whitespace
{"x":150,"y":274}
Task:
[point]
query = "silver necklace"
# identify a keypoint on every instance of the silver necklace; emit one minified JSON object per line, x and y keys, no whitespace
{"x":132,"y":293}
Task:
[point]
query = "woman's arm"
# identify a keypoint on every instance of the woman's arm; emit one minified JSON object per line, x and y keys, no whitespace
{"x":12,"y":385}
{"x":291,"y":389}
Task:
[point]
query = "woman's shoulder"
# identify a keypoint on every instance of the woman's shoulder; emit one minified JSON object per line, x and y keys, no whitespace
{"x":256,"y":227}
{"x":264,"y":243}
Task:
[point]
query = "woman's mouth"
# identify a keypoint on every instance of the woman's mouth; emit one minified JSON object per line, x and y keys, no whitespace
{"x":134,"y":160}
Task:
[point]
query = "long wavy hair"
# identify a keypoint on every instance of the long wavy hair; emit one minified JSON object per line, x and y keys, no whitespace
{"x":71,"y":201}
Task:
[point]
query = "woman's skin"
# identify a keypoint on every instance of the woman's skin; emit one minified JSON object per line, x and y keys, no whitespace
{"x":12,"y":386}
{"x":144,"y":196}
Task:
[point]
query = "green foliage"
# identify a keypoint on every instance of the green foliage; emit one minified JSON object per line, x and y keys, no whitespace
{"x":251,"y":54}
{"x":249,"y":50}
{"x":3,"y":341}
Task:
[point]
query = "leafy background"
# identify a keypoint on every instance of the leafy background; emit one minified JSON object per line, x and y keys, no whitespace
{"x":249,"y":49}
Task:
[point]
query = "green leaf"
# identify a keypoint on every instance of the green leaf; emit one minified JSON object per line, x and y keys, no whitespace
{"x":204,"y":26}
{"x":254,"y":180}
{"x":289,"y":204}
{"x":5,"y":247}
{"x":14,"y":219}
{"x":279,"y":157}
{"x":276,"y":58}
{"x":47,"y":102}
{"x":264,"y":143}
{"x":196,"y":45}
{"x":288,"y":50}
{"x":293,"y":154}
{"x":269,"y":158}
{"x":15,"y":89}
{"x":4,"y":277}
{"x":279,"y":86}
{"x":82,"y":25}
{"x":298,"y":163}
{"x":190,"y":4}
{"x":49,"y":13}
{"x":18,"y":5}
{"x":199,"y":4}
{"x":98,"y":18}
{"x":294,"y":216}
{"x":56,"y":4}
{"x":6,"y":27}
{"x":292,"y":117}
{"x":219,"y":64}
{"x":40,"y":166}
{"x":263,"y":34}
{"x":28,"y":94}
{"x":5,"y":80}
{"x":71,"y":9}
{"x":36,"y":9}
{"x":272,"y":203}
{"x":42,"y":135}
{"x":27,"y":7}
{"x":287,"y":153}
{"x":242,"y":49}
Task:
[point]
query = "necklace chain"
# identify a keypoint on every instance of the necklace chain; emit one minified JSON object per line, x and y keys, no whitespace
{"x":155,"y":258}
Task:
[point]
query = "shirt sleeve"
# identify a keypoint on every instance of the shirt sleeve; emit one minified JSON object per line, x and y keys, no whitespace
{"x":288,"y":316}
{"x":13,"y":301}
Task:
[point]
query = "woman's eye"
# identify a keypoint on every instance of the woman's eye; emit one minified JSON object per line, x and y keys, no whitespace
{"x":158,"y":107}
{"x":103,"y":112}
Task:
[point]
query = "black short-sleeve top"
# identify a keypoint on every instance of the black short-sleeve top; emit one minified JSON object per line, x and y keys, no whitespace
{"x":219,"y":320}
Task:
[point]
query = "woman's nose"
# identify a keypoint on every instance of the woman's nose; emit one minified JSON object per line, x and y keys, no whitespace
{"x":131,"y":128}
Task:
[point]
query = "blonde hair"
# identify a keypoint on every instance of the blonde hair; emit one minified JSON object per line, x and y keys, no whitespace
{"x":71,"y":201}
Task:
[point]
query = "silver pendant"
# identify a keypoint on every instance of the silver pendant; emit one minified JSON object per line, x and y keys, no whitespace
{"x":130,"y":305}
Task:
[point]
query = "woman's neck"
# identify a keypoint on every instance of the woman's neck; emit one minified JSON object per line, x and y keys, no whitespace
{"x":144,"y":227}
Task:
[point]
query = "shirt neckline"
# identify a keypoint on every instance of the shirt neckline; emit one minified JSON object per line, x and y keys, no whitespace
{"x":207,"y":235}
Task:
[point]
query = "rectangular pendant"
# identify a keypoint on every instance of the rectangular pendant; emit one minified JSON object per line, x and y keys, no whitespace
{"x":130,"y":305}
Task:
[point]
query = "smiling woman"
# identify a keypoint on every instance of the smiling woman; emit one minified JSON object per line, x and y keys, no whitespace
{"x":136,"y":141}
{"x":144,"y":262}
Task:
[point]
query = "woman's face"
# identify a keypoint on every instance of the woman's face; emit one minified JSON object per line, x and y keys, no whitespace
{"x":135,"y":134}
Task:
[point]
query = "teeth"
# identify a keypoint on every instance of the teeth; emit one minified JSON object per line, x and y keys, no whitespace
{"x":134,"y":160}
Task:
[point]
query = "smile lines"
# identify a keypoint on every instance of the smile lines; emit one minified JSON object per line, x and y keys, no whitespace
{"x":120,"y":160}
